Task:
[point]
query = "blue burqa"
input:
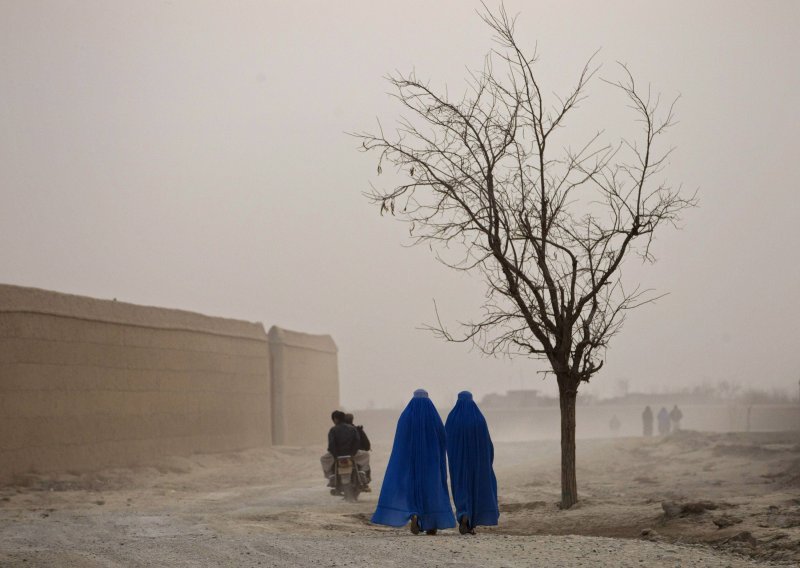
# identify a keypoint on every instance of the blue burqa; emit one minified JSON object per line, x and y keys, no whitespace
{"x":470,"y":454}
{"x":416,"y":477}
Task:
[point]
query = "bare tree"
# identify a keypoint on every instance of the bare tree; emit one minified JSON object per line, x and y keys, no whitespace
{"x":546,"y":227}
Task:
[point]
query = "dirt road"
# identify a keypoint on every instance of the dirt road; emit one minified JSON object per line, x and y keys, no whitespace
{"x":268,"y":508}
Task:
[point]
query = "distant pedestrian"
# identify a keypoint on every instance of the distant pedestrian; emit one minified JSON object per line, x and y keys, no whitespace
{"x":675,"y":416}
{"x":614,"y":424}
{"x":647,"y":422}
{"x":663,"y":422}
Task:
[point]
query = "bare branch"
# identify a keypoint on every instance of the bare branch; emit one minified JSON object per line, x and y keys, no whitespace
{"x":547,"y":229}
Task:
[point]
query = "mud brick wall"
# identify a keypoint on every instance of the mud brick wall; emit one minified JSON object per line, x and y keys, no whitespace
{"x":88,"y":383}
{"x":305,"y":386}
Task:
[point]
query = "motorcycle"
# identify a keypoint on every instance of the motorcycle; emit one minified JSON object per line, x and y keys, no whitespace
{"x":347,"y":479}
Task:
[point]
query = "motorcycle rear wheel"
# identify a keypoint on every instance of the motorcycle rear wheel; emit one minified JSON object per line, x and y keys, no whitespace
{"x":350,"y":493}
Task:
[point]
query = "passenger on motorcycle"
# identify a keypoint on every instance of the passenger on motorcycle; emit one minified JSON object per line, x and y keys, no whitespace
{"x":362,"y":457}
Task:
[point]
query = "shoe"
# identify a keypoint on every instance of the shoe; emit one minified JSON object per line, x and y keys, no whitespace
{"x":366,"y":489}
{"x":414,"y":525}
{"x":463,"y":525}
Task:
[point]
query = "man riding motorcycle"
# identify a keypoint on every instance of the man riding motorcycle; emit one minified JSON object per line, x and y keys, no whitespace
{"x":343,"y":440}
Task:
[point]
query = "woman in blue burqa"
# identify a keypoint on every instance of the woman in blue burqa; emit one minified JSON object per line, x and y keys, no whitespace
{"x":470,"y":454}
{"x":414,"y":488}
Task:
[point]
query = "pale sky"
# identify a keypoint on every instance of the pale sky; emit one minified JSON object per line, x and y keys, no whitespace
{"x":192,"y":154}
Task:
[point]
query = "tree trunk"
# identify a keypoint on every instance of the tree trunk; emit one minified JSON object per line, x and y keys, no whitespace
{"x":567,"y":395}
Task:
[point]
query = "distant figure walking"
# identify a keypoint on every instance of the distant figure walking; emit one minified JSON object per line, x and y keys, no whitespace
{"x":663,"y":422}
{"x":675,"y":416}
{"x":470,"y":454}
{"x":614,"y":424}
{"x":647,"y":422}
{"x":415,"y":485}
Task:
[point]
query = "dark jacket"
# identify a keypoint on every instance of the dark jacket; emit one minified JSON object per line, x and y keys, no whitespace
{"x":364,"y":445}
{"x":343,"y":440}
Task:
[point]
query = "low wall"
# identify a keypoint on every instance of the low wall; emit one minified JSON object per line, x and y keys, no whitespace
{"x":88,"y":383}
{"x":305,"y":386}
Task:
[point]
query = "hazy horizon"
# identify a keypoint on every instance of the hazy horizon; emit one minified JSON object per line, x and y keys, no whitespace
{"x":193,"y":155}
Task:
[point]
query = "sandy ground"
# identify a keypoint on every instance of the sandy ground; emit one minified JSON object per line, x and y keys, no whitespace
{"x":269,"y":508}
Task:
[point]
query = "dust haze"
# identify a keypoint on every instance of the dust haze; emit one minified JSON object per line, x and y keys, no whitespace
{"x":193,"y":155}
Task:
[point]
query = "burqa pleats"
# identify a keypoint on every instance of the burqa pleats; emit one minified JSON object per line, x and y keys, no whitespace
{"x":470,"y":454}
{"x":416,"y":477}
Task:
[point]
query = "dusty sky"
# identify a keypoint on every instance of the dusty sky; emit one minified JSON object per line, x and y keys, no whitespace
{"x":192,"y":154}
